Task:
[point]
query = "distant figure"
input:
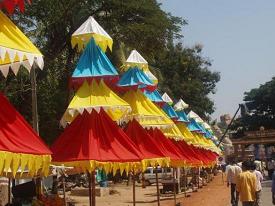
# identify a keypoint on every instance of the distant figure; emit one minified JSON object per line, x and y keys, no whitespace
{"x":233,"y":171}
{"x":260,"y":178}
{"x":273,"y":188}
{"x":246,"y":184}
{"x":270,"y":168}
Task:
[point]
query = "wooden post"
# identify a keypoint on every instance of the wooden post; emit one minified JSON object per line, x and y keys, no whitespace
{"x":9,"y":192}
{"x":157,"y":181}
{"x":93,"y":188}
{"x":134,"y":189}
{"x":34,"y":101}
{"x":174,"y":185}
{"x":90,"y":189}
{"x":64,"y":189}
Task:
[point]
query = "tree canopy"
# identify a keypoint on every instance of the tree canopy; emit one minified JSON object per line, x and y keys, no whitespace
{"x":142,"y":25}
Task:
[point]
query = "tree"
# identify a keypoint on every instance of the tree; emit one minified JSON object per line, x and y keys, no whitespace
{"x":186,"y":75}
{"x":260,"y":103}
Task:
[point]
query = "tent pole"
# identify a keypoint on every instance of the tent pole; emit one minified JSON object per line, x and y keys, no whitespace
{"x":134,"y":190}
{"x":90,"y":189}
{"x":9,"y":192}
{"x":174,"y":184}
{"x":34,"y":100}
{"x":157,"y":181}
{"x":93,"y":188}
{"x":64,"y":189}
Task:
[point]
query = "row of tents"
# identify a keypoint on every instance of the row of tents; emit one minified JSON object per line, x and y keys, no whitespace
{"x":114,"y":122}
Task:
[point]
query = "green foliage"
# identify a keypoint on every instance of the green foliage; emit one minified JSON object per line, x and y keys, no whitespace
{"x":140,"y":25}
{"x":186,"y":75}
{"x":261,"y":105}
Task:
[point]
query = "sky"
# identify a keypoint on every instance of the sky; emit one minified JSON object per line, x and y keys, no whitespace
{"x":239,"y":38}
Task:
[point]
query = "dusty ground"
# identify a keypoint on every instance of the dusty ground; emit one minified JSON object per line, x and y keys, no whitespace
{"x":214,"y":194}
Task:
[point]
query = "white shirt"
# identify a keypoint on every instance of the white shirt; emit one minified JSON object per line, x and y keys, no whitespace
{"x":232,"y":174}
{"x":260,"y":178}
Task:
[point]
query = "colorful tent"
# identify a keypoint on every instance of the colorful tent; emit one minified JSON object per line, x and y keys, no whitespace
{"x":193,"y":115}
{"x":91,"y":29}
{"x":191,"y":158}
{"x":93,"y":64}
{"x":10,"y":5}
{"x":95,"y":96}
{"x":150,"y":115}
{"x":169,"y":148}
{"x":136,"y":60}
{"x":182,"y":117}
{"x":167,"y":99}
{"x":170,"y":111}
{"x":94,"y":141}
{"x":16,"y":49}
{"x":193,"y":126}
{"x":180,"y":105}
{"x":20,"y":146}
{"x":134,"y":78}
{"x":154,"y":97}
{"x":148,"y":146}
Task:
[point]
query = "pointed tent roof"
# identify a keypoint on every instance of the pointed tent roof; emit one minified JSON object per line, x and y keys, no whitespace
{"x":135,"y":78}
{"x":94,"y":140}
{"x":16,"y":49}
{"x":147,"y":145}
{"x":180,"y":105}
{"x":193,"y":115}
{"x":154,"y":96}
{"x":150,"y":115}
{"x":169,"y":148}
{"x":93,"y":63}
{"x":193,"y":126}
{"x":10,"y":5}
{"x":95,"y":96}
{"x":192,"y":158}
{"x":91,"y":29}
{"x":135,"y":59}
{"x":167,"y":99}
{"x":142,"y":107}
{"x":20,"y":146}
{"x":170,"y":111}
{"x":188,"y":136}
{"x":182,"y":117}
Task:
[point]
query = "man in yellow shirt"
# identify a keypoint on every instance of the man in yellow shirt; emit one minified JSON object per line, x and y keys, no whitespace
{"x":246,"y":184}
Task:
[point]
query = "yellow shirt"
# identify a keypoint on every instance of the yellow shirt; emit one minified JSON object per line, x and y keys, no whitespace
{"x":246,"y":186}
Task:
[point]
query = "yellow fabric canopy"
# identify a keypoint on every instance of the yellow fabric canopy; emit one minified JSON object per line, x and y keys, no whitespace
{"x":150,"y":115}
{"x":96,"y":96}
{"x":15,"y":48}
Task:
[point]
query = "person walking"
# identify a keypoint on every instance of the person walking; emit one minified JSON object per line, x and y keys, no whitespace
{"x":259,"y":180}
{"x":233,"y":171}
{"x":246,"y":184}
{"x":273,"y":188}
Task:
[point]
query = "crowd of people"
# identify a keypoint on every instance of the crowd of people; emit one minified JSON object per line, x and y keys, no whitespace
{"x":245,"y":181}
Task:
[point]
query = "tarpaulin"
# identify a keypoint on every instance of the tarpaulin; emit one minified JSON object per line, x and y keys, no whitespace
{"x":95,"y":96}
{"x":94,"y":141}
{"x":93,"y":64}
{"x":148,"y":146}
{"x":15,"y":48}
{"x":134,"y":78}
{"x":20,"y":146}
{"x":91,"y":29}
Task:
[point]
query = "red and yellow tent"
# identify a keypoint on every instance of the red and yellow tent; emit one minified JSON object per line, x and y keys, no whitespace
{"x":93,"y":141}
{"x":20,"y":147}
{"x":153,"y":154}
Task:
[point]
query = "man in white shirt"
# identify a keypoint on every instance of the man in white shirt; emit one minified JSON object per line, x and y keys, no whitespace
{"x":260,"y":178}
{"x":233,"y":171}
